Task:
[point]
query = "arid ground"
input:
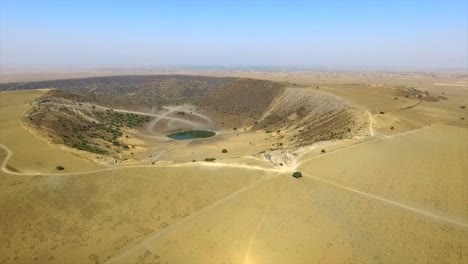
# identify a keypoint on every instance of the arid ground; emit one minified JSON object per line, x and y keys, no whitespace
{"x":390,"y":186}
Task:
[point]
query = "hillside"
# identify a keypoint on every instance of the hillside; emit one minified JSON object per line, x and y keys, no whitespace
{"x":146,"y":92}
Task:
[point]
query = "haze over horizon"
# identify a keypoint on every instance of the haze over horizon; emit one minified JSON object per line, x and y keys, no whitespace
{"x":329,"y":34}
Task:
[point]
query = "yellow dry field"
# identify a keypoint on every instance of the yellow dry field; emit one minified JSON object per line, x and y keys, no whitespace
{"x":88,"y":218}
{"x":399,"y":196}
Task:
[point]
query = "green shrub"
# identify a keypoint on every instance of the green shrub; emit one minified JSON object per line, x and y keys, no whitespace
{"x":297,"y":174}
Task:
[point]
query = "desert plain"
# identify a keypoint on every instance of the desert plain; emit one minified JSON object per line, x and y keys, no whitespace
{"x":396,"y":192}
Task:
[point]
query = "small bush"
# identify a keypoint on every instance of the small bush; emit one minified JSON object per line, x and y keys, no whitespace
{"x":224,"y":151}
{"x":297,"y":174}
{"x":60,"y":168}
{"x":210,"y":159}
{"x":462,"y":107}
{"x":392,"y":128}
{"x":382,"y":112}
{"x":322,"y":151}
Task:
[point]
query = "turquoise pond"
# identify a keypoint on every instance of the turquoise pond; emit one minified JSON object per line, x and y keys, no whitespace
{"x":192,"y":134}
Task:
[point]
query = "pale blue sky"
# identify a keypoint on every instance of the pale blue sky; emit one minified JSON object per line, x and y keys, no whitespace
{"x":346,"y":33}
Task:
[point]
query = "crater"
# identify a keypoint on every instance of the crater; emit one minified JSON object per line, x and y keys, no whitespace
{"x":126,"y":119}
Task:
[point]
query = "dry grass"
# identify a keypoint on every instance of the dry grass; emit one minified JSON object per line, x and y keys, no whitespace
{"x":396,"y":197}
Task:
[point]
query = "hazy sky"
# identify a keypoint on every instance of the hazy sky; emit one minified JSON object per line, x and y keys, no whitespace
{"x":386,"y":33}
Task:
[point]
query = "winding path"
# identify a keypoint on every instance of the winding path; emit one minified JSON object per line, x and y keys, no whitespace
{"x":4,"y":168}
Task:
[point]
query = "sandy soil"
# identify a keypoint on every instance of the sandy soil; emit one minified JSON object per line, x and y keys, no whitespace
{"x":398,"y":196}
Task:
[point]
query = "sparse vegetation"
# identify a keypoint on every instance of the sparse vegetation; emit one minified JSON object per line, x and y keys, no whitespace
{"x":322,"y":151}
{"x":382,"y":112}
{"x":210,"y":159}
{"x":224,"y":151}
{"x":59,"y":167}
{"x":90,"y":131}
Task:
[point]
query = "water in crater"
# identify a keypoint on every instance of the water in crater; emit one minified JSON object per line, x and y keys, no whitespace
{"x":191,"y":134}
